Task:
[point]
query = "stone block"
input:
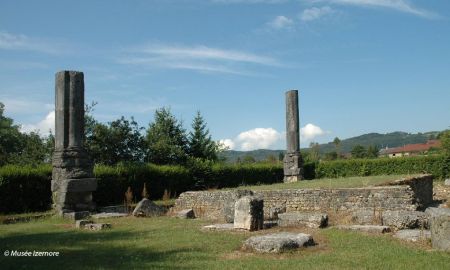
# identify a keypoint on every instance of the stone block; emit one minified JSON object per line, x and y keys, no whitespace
{"x":109,"y":215}
{"x":434,"y":211}
{"x":76,"y":215}
{"x":79,"y":224}
{"x":278,"y":242}
{"x":114,"y":209}
{"x":249,"y":213}
{"x":185,"y":214}
{"x":147,"y":208}
{"x":98,"y":226}
{"x":447,"y":182}
{"x":440,"y":232}
{"x":311,"y":220}
{"x":365,"y":216}
{"x":413,"y":235}
{"x":401,"y":219}
{"x":219,"y":227}
{"x":74,"y":185}
{"x":365,"y":228}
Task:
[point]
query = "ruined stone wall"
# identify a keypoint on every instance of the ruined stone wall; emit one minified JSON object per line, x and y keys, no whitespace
{"x":406,"y":194}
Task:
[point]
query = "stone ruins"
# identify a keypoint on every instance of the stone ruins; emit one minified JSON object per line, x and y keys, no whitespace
{"x":292,"y":162}
{"x":72,"y":176}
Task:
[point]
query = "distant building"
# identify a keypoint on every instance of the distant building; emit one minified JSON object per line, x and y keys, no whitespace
{"x":410,"y":149}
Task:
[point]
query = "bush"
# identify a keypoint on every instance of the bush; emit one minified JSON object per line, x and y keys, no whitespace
{"x":436,"y":165}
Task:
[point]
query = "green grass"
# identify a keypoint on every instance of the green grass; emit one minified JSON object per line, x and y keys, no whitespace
{"x":347,"y":182}
{"x":169,"y":243}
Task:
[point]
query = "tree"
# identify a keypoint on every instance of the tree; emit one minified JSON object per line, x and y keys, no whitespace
{"x":248,"y":159}
{"x":200,"y":144}
{"x":166,"y":139}
{"x":10,"y":137}
{"x":119,"y":141}
{"x":271,"y":159}
{"x":372,"y":151}
{"x":358,"y":151}
{"x":331,"y":155}
{"x":314,"y":153}
{"x":337,"y":144}
{"x":444,"y":137}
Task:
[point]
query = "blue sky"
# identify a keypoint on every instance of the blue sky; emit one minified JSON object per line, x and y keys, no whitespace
{"x":360,"y":65}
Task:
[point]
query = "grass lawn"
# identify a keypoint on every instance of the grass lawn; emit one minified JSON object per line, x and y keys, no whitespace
{"x":347,"y":182}
{"x":169,"y":243}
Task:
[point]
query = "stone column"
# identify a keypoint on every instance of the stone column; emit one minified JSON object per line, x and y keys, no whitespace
{"x":72,"y":175}
{"x":293,"y":161}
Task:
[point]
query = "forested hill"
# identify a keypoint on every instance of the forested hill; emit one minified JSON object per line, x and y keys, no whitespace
{"x":393,"y":139}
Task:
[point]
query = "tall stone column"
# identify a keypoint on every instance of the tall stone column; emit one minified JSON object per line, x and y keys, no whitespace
{"x":72,"y":175}
{"x":293,"y":161}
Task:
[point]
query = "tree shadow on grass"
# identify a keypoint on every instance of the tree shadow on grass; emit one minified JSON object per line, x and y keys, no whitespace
{"x":94,"y":250}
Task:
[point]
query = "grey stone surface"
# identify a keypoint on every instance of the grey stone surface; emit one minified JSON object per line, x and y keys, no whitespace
{"x":422,"y":186}
{"x":447,"y":182}
{"x":365,"y":228}
{"x":76,"y":215}
{"x":109,"y":215}
{"x":219,"y":227}
{"x":440,"y":230}
{"x":343,"y":201}
{"x":214,"y":205}
{"x":366,"y":216}
{"x":278,"y":242}
{"x":311,"y":220}
{"x":434,"y":211}
{"x":98,"y":226}
{"x":413,"y":235}
{"x":147,"y":208}
{"x":293,"y":161}
{"x":401,"y":219}
{"x":273,"y":212}
{"x":72,"y":175}
{"x":185,"y":214}
{"x":249,"y":213}
{"x":79,"y":224}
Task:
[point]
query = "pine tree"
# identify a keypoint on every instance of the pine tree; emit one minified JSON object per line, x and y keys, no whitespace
{"x":200,"y":143}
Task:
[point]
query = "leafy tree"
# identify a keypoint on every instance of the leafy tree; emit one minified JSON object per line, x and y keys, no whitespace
{"x":445,"y":141}
{"x":314,"y":153}
{"x":271,"y":159}
{"x":10,"y":137}
{"x":119,"y":141}
{"x":337,"y":144}
{"x":166,"y":139}
{"x":358,"y":151}
{"x":372,"y":151}
{"x":248,"y":159}
{"x":331,"y":155}
{"x":200,"y":144}
{"x":281,"y":156}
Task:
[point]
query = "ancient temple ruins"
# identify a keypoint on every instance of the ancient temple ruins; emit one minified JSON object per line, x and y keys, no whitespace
{"x":72,"y":176}
{"x":293,"y":161}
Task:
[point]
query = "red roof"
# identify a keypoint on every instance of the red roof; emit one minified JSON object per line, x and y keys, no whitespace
{"x":413,"y":148}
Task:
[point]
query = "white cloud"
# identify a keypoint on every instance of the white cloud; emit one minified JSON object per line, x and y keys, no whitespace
{"x":249,"y":1}
{"x":281,"y":22}
{"x":13,"y":105}
{"x":315,"y":13}
{"x":10,"y":41}
{"x":43,"y":126}
{"x":310,"y":131}
{"x":399,"y":5}
{"x":228,"y":143}
{"x":257,"y":138}
{"x":199,"y":58}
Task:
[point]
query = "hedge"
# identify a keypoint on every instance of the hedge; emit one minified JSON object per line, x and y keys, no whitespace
{"x":26,"y":189}
{"x":436,"y":165}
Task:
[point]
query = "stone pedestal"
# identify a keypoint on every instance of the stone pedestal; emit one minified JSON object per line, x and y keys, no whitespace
{"x":249,"y":213}
{"x":72,"y":175}
{"x":292,"y":161}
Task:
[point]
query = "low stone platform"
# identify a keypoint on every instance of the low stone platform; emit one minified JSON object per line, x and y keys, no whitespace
{"x":277,"y":242}
{"x":310,"y":220}
{"x":413,"y":235}
{"x":219,"y":227}
{"x":108,"y":215}
{"x":365,"y":228}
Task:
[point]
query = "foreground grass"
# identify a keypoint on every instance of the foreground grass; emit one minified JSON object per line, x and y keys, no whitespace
{"x":347,"y":182}
{"x":168,"y":243}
